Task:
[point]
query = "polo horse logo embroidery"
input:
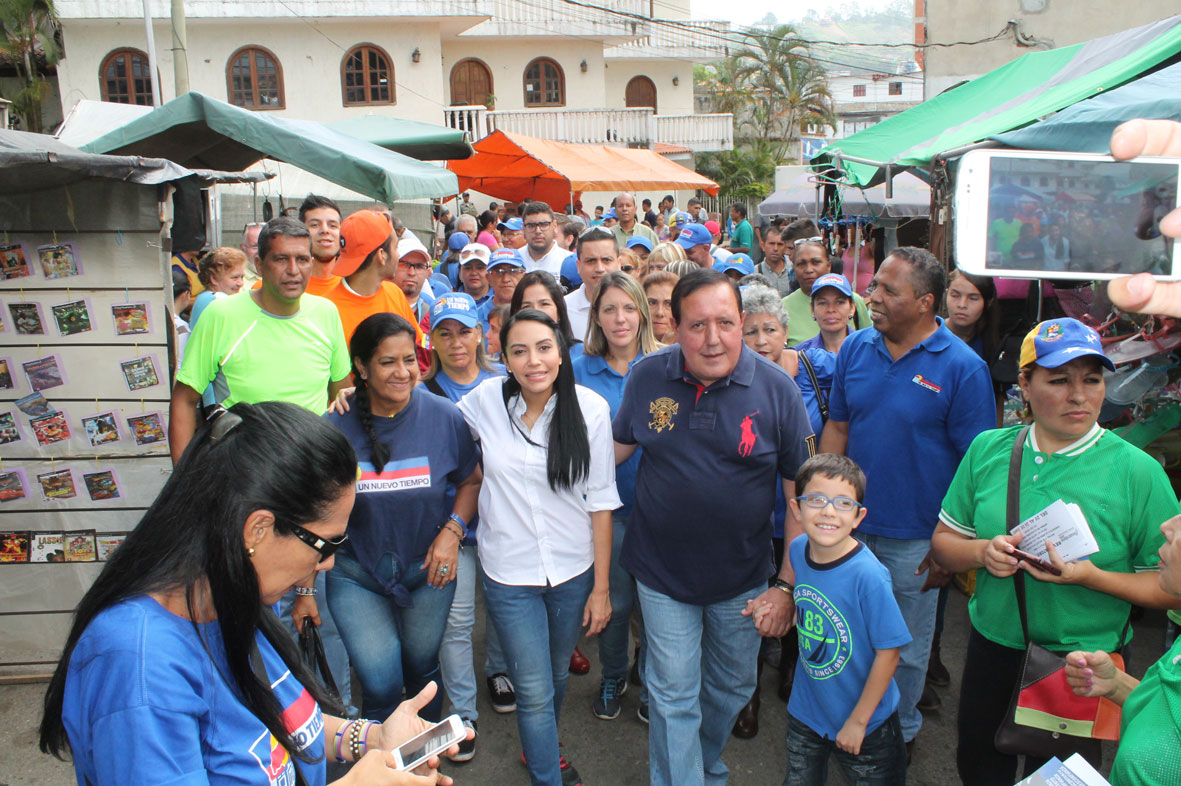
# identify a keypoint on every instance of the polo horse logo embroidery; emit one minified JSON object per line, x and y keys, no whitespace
{"x":747,"y":443}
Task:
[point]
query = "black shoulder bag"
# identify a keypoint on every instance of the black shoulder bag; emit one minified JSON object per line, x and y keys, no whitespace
{"x":821,"y":396}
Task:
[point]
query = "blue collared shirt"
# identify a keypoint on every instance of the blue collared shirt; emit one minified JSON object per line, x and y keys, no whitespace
{"x":910,"y":420}
{"x":593,"y":372}
{"x":700,"y":530}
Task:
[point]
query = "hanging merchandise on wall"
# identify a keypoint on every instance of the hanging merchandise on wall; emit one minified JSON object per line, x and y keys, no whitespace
{"x":84,"y":388}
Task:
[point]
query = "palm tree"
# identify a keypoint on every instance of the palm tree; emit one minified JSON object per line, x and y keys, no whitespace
{"x":785,"y":87}
{"x":29,"y":29}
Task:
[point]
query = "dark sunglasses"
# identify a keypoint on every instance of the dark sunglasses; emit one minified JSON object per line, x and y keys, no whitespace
{"x":326,"y":547}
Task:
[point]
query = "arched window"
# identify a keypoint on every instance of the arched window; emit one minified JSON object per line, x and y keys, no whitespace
{"x":125,"y":78}
{"x":254,"y":79}
{"x":545,"y":84}
{"x":471,"y":83}
{"x":366,"y":76}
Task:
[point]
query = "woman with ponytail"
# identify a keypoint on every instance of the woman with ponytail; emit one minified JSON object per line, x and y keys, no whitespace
{"x":417,"y":488}
{"x":545,"y":522}
{"x":176,"y":670}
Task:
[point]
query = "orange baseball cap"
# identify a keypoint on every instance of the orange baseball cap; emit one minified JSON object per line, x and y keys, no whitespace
{"x":360,"y":235}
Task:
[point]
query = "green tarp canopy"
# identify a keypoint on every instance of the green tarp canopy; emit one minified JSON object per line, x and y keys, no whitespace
{"x":197,"y":131}
{"x":1086,"y":126}
{"x":1012,"y":96}
{"x":424,"y":141}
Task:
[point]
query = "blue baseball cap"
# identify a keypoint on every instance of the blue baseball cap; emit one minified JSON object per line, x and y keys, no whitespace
{"x":682,"y":218}
{"x":834,"y":280}
{"x":610,"y":214}
{"x":506,"y":256}
{"x":1056,"y":342}
{"x":459,"y":306}
{"x":639,"y":240}
{"x":694,"y":235}
{"x":740,"y":262}
{"x":570,"y":271}
{"x":458,"y":240}
{"x":514,"y":224}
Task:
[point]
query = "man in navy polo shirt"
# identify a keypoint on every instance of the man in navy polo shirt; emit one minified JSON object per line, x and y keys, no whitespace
{"x":719,"y":427}
{"x":907,"y":399}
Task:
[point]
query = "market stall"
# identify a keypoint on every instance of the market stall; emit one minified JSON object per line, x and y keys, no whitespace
{"x":84,"y":374}
{"x":518,"y":167}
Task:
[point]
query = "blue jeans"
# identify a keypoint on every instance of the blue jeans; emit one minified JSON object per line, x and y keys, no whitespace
{"x":613,"y":650}
{"x":391,"y":647}
{"x":902,"y":558}
{"x":881,"y":762}
{"x":455,"y":654}
{"x":538,"y":628}
{"x":701,"y":671}
{"x":334,"y":649}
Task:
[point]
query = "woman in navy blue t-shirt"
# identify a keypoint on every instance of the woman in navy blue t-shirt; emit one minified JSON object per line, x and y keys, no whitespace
{"x":417,"y":488}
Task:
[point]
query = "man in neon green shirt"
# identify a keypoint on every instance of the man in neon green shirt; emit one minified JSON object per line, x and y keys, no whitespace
{"x":274,"y":343}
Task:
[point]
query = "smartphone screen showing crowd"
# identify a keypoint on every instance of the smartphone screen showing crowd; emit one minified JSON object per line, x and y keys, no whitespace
{"x":418,"y":749}
{"x":1027,"y":214}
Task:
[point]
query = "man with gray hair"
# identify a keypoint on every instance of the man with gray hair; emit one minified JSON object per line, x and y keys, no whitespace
{"x":468,"y":225}
{"x":912,"y":373}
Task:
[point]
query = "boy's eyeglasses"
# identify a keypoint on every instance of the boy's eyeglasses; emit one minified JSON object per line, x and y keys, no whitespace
{"x":820,"y":501}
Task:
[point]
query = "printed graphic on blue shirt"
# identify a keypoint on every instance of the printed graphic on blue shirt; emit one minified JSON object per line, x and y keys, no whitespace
{"x":825,"y":638}
{"x":305,"y":722}
{"x":408,"y":473}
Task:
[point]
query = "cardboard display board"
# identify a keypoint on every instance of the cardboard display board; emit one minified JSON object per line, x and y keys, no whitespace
{"x":84,"y":390}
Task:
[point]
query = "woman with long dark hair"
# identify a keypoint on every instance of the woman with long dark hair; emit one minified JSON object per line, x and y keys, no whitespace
{"x":175,"y":668}
{"x":545,"y":532}
{"x":540,"y":290}
{"x":419,"y":481}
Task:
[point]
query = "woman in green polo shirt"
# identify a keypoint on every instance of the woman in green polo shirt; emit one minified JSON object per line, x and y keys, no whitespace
{"x":1123,"y":493}
{"x":1150,"y":735}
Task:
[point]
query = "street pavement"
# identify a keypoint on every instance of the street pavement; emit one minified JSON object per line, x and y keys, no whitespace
{"x":606,"y":753}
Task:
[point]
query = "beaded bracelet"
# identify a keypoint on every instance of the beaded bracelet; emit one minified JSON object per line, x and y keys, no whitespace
{"x":359,"y":742}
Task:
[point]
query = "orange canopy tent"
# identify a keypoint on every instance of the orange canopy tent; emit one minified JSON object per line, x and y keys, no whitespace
{"x":517,"y":167}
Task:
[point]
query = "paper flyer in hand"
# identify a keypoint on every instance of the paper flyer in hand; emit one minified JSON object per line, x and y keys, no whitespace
{"x":1065,"y":526}
{"x":1075,"y":771}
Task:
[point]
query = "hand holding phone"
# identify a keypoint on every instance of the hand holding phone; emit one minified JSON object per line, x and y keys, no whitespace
{"x":1037,"y":562}
{"x":1037,"y":214}
{"x":417,"y":750}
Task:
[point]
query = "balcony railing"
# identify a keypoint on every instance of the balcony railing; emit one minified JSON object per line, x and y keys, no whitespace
{"x":623,"y":127}
{"x":700,"y":133}
{"x":688,"y":38}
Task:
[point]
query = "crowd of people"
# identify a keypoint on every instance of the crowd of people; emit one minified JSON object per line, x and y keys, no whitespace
{"x":617,"y":428}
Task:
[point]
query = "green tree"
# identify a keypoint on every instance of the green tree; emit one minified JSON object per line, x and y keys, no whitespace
{"x":744,"y":174}
{"x":29,"y":29}
{"x":783,"y":88}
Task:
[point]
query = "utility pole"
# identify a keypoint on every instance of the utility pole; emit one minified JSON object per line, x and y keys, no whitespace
{"x":153,"y":69}
{"x":180,"y":54}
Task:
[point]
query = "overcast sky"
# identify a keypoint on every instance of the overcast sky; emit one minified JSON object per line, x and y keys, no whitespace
{"x":747,"y":12}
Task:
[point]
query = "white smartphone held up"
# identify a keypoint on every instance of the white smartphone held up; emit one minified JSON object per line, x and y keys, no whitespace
{"x":1082,"y":216}
{"x":415,"y":751}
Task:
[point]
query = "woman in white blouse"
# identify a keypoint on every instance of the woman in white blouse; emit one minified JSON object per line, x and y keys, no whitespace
{"x":545,"y":523}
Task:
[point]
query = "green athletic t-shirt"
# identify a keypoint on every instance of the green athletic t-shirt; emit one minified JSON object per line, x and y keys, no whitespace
{"x":800,"y":324}
{"x":1125,"y":496}
{"x":743,"y":235}
{"x":250,"y":355}
{"x":1149,"y":751}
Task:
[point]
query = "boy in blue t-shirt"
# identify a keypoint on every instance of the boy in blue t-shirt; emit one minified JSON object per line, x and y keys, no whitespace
{"x":844,"y":700}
